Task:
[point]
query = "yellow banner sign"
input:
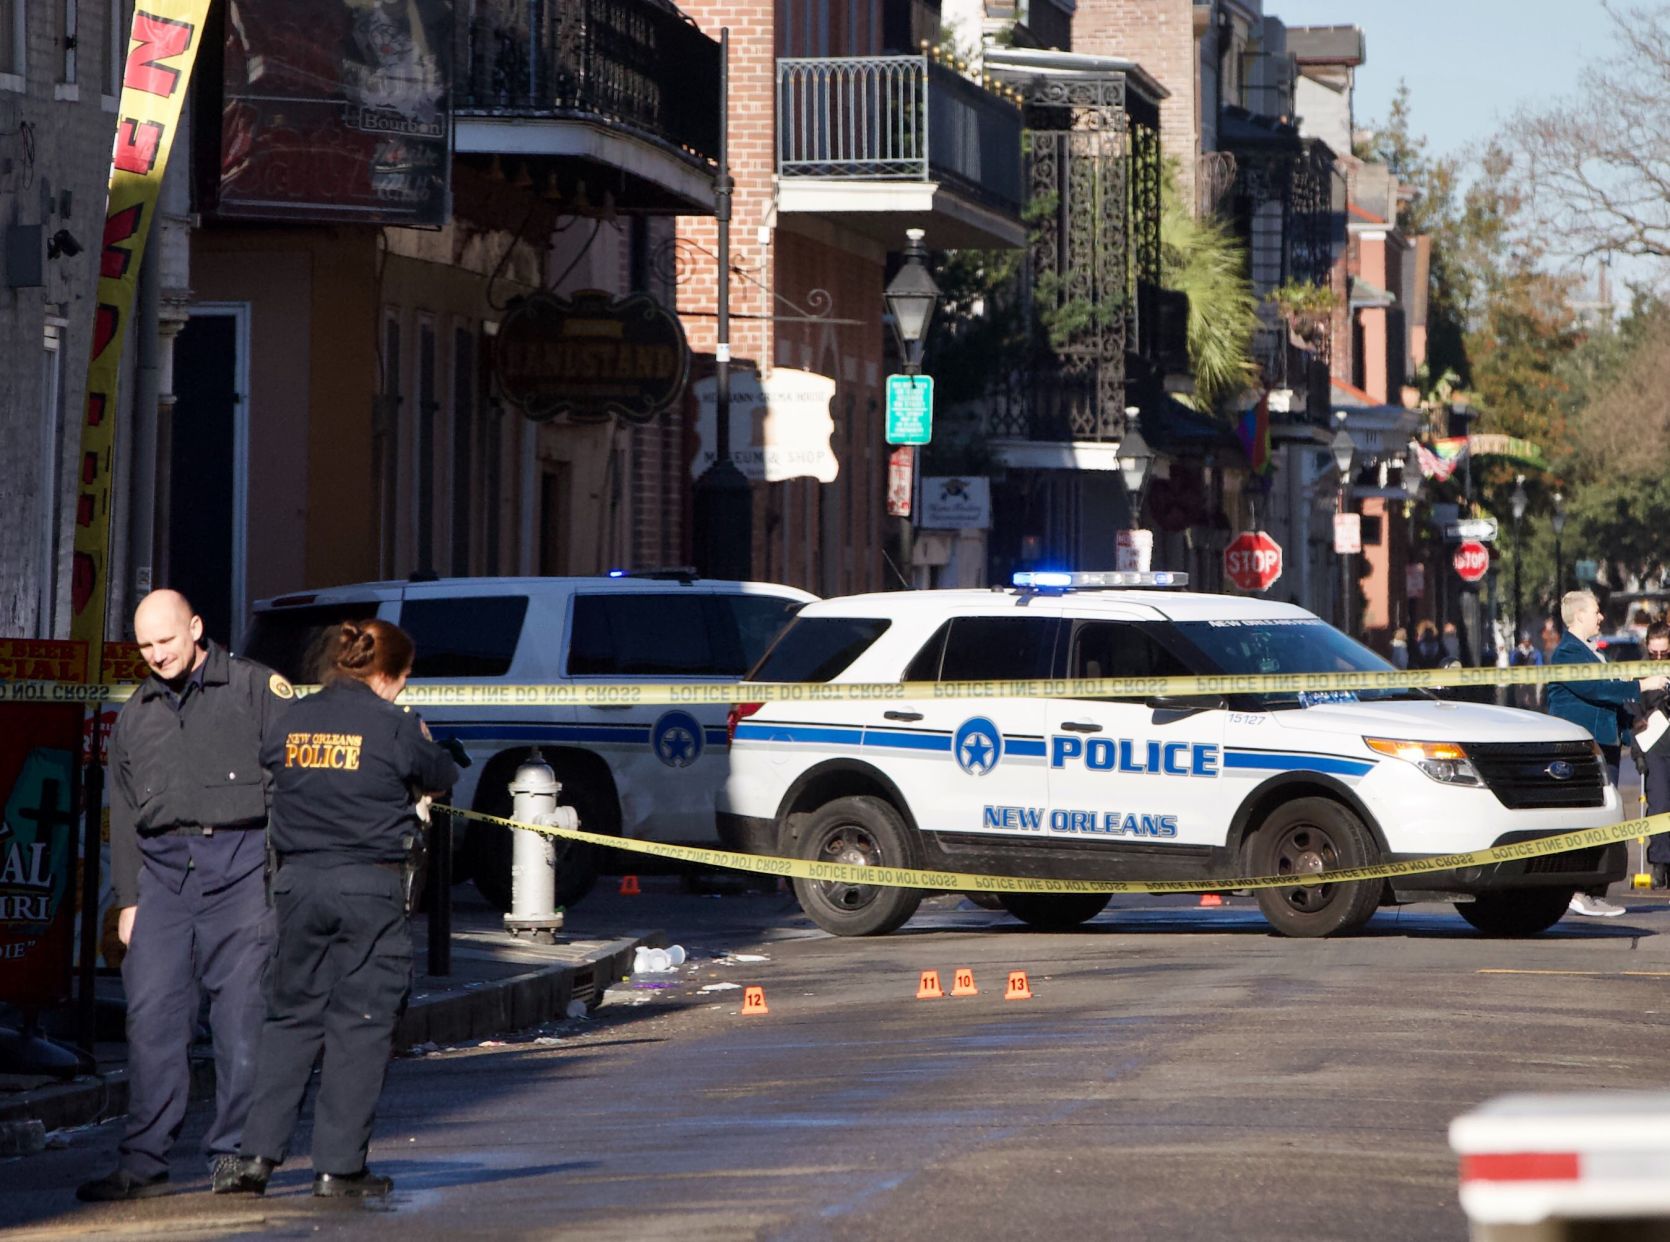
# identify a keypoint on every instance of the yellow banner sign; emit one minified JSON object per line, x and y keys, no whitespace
{"x":161,"y":50}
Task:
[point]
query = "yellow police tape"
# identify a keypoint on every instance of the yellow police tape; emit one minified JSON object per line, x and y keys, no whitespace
{"x":975,"y":882}
{"x":649,"y":694}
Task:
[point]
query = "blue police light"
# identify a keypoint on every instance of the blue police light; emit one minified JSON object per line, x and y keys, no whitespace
{"x":617,"y":573}
{"x":1107,"y":579}
{"x":1043,"y":579}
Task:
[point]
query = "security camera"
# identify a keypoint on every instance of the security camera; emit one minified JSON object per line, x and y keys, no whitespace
{"x":62,"y":243}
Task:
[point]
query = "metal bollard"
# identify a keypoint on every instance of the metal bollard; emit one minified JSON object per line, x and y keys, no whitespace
{"x":533,"y":880}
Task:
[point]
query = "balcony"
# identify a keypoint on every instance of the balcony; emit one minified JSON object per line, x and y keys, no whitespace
{"x":620,"y":95}
{"x":885,"y":143}
{"x":1297,"y":377}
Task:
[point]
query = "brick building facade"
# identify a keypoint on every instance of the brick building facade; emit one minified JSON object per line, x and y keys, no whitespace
{"x":59,"y":85}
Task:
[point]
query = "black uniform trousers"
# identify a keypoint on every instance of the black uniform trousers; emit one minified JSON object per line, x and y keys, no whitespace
{"x":337,"y":983}
{"x":1656,"y":782}
{"x":219,"y":941}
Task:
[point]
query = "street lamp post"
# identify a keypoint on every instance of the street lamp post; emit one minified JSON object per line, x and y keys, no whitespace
{"x":722,"y":500}
{"x":1519,"y":501}
{"x":911,"y":297}
{"x":1136,"y":461}
{"x":1344,"y":449}
{"x":1557,"y":523}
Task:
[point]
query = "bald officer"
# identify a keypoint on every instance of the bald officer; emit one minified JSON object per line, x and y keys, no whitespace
{"x":188,"y":813}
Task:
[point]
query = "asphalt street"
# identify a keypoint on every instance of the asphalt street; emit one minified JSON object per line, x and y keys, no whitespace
{"x":1179,"y":1072}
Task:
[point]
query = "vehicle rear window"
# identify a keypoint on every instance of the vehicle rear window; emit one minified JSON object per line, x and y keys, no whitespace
{"x":295,"y":641}
{"x":673,"y":635}
{"x":758,"y":620}
{"x":818,"y":648}
{"x":999,"y":649}
{"x":466,"y":636}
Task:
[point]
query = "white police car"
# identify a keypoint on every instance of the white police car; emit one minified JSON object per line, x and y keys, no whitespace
{"x":639,"y":771}
{"x":1141,"y":789}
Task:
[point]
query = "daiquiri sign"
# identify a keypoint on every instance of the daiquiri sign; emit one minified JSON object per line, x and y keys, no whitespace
{"x":590,"y":357}
{"x":40,"y":748}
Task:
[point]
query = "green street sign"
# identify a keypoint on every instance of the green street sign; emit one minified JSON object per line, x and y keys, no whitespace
{"x":910,"y":409}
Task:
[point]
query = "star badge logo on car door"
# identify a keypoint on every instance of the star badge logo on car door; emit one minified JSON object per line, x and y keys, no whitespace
{"x":977,"y":746}
{"x":677,"y":739}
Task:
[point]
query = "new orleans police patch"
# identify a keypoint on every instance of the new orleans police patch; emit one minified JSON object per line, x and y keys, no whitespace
{"x":280,"y":687}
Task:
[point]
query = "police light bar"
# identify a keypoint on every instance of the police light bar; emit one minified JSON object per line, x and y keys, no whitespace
{"x":1103,"y":579}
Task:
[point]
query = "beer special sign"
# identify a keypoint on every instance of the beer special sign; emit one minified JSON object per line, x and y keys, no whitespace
{"x":591,"y":356}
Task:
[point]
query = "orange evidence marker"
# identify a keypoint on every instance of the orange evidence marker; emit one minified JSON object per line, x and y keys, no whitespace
{"x":963,"y":983}
{"x":753,"y":1002}
{"x":929,"y":988}
{"x":629,"y":886}
{"x":1019,"y":989}
{"x":1211,"y":899}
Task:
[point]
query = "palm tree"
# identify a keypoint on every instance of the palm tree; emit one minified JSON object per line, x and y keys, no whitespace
{"x":1199,"y":256}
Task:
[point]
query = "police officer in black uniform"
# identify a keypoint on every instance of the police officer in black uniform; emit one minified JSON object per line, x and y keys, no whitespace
{"x":188,"y":805}
{"x":349,"y":767}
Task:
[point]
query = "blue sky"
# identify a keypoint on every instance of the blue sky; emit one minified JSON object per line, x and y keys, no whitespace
{"x":1469,"y":63}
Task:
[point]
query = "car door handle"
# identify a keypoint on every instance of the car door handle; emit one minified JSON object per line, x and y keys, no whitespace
{"x":1080,"y":726}
{"x":901,"y":715}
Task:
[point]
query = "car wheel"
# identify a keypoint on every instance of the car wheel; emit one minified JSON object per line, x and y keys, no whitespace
{"x":1307,"y":836}
{"x":1516,"y":912}
{"x":866,"y":832}
{"x":1054,"y":911}
{"x":492,"y":847}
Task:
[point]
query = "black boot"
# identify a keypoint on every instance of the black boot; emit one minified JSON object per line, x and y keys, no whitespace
{"x":121,"y":1185}
{"x":242,"y":1175}
{"x":361,"y":1185}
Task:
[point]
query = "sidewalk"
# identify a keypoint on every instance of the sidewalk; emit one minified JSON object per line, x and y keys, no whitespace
{"x":497,"y":985}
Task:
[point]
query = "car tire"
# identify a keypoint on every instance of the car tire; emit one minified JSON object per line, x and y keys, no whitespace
{"x":1308,"y":835}
{"x":578,"y":864}
{"x":1516,"y":912}
{"x":867,"y":831}
{"x":1054,"y":911}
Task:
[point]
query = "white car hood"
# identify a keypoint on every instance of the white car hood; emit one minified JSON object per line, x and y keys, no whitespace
{"x":1430,"y":721}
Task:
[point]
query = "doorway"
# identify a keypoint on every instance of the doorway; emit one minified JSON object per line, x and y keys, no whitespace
{"x":208,"y":468}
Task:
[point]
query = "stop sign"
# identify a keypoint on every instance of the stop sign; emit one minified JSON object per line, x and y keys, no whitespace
{"x":1253,"y":561}
{"x":1471,"y":560}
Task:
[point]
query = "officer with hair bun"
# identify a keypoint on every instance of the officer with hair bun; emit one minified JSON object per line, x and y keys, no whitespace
{"x":348,"y":767}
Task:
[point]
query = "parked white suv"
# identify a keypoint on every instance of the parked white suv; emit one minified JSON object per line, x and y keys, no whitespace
{"x":1145,"y":789}
{"x":644,"y":772}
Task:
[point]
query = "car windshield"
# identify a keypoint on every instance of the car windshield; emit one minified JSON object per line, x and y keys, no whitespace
{"x":1283,"y":645}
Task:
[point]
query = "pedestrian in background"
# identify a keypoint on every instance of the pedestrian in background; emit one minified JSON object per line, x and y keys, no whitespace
{"x":1427,"y":652}
{"x":1525,"y":655}
{"x":188,"y":809}
{"x":1653,"y":762}
{"x":1597,"y":705}
{"x":1400,"y":648}
{"x":349,"y":767}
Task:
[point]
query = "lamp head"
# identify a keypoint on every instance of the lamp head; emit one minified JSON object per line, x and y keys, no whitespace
{"x":1136,"y":459}
{"x":1344,"y":450}
{"x":912,"y":297}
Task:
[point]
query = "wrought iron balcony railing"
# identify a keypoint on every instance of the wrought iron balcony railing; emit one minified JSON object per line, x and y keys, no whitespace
{"x":900,"y":118}
{"x":1283,"y":363}
{"x":638,"y":63}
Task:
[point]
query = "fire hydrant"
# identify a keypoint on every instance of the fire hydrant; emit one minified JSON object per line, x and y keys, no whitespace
{"x":533,"y":877}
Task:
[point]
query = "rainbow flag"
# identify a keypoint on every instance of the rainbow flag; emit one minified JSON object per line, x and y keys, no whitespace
{"x":1440,"y":461}
{"x":1254,"y":434}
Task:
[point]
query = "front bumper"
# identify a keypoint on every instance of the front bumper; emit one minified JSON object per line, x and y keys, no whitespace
{"x":1585,"y":868}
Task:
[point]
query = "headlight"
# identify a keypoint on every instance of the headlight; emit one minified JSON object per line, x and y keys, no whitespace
{"x":1444,"y":762}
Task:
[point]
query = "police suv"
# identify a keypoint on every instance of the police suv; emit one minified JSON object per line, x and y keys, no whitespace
{"x":1157,"y":788}
{"x":640,"y":771}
